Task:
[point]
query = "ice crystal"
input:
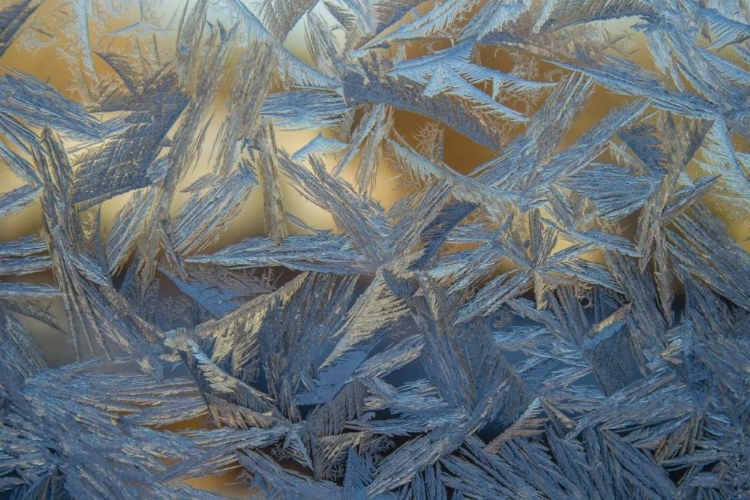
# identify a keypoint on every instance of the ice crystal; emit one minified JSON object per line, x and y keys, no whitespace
{"x":565,"y":318}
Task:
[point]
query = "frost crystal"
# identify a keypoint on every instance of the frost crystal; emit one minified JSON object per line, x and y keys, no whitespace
{"x":525,"y":291}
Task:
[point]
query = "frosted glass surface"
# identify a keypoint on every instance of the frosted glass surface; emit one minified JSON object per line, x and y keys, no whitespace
{"x":374,"y":249}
